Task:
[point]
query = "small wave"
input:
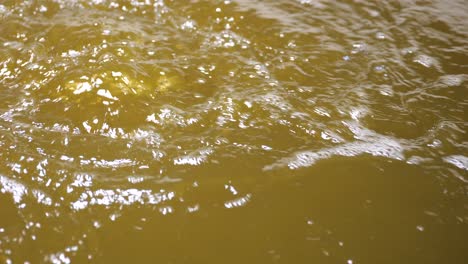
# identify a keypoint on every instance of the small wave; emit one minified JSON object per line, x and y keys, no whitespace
{"x":458,"y":161}
{"x":368,"y":142}
{"x":109,"y":197}
{"x":19,"y":191}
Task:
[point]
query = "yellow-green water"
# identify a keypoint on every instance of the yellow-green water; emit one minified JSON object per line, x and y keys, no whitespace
{"x":286,"y":131}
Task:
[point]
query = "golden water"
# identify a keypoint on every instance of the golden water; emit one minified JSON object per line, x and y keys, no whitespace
{"x":276,"y":131}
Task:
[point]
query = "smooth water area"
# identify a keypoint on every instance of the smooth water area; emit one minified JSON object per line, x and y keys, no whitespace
{"x":276,"y":131}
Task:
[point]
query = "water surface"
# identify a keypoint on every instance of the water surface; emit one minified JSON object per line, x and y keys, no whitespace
{"x":240,"y":131}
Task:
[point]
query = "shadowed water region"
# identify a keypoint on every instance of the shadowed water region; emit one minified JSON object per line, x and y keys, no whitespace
{"x":285,"y":131}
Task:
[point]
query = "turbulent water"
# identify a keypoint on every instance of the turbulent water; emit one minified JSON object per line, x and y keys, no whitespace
{"x":292,"y":131}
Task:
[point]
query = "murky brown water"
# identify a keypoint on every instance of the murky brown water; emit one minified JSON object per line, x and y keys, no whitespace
{"x":240,"y":131}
